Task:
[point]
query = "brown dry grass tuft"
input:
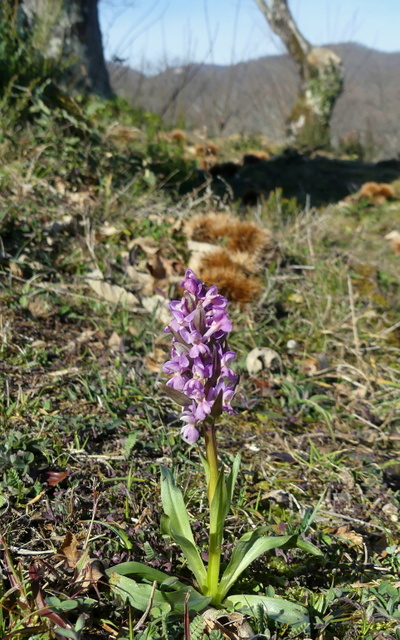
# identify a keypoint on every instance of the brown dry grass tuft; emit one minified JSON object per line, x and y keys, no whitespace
{"x":178,"y":136}
{"x":206,"y":149}
{"x":227,"y":229}
{"x":217,"y":267}
{"x":375,"y":192}
{"x":235,"y":264}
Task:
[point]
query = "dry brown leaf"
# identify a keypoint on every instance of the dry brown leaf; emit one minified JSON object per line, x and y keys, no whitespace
{"x":348,"y":534}
{"x":232,"y":625}
{"x":158,"y":305}
{"x":156,"y":358}
{"x":310,"y":366}
{"x":107,"y":230}
{"x":158,"y":267}
{"x":115,"y":342}
{"x":79,"y":198}
{"x":148,"y":245}
{"x":85,"y":336}
{"x":39,"y":307}
{"x":152,"y":364}
{"x":155,"y":274}
{"x":54,"y":477}
{"x":92,"y":573}
{"x":161,"y":267}
{"x":163,"y":287}
{"x":69,"y":550}
{"x":112,"y":293}
{"x":38,"y":344}
{"x":342,"y":389}
{"x":163,"y":272}
{"x":314,"y":364}
{"x":360,"y":392}
{"x":15,"y":269}
{"x":347,"y":478}
{"x":142,"y":282}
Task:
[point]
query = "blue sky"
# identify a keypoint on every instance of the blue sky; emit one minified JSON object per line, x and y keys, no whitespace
{"x":150,"y":34}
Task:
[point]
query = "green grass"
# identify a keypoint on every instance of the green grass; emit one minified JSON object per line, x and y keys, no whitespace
{"x":84,"y":425}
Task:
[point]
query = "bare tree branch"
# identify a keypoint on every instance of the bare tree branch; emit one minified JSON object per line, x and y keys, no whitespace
{"x":281,"y":21}
{"x":321,"y":74}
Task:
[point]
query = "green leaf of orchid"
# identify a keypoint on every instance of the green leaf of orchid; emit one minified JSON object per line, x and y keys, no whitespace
{"x":193,"y":558}
{"x":174,"y":506}
{"x":249,"y":547}
{"x":196,"y":601}
{"x":140,"y":570}
{"x":309,"y":547}
{"x":179,"y":526}
{"x":218,"y":511}
{"x":252,"y":545}
{"x":231,"y":481}
{"x":277,"y":609}
{"x":139,"y":595}
{"x":222,"y":501}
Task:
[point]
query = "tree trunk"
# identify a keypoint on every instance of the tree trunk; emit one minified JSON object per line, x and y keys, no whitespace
{"x":321,"y":78}
{"x":68,"y":33}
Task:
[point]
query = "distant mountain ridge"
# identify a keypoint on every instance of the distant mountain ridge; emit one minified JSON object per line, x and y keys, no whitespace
{"x":255,"y":97}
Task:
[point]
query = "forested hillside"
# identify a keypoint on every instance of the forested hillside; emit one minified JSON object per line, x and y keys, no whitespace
{"x":256,"y":96}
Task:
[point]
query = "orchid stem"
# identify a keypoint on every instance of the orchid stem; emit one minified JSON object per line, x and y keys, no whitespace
{"x":212,"y":459}
{"x":214,"y":547}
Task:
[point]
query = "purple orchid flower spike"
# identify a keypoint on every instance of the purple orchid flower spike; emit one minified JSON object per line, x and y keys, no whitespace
{"x":200,"y":357}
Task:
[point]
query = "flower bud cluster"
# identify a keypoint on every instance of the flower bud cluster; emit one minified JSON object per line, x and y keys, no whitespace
{"x":201,"y":379}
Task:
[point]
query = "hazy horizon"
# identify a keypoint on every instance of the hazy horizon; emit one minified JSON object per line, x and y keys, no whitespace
{"x":153,"y":72}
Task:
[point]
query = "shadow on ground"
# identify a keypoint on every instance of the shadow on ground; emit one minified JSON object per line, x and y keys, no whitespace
{"x":320,"y":180}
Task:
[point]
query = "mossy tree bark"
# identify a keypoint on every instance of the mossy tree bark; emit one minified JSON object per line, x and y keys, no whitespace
{"x":68,"y":33}
{"x":321,"y":78}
